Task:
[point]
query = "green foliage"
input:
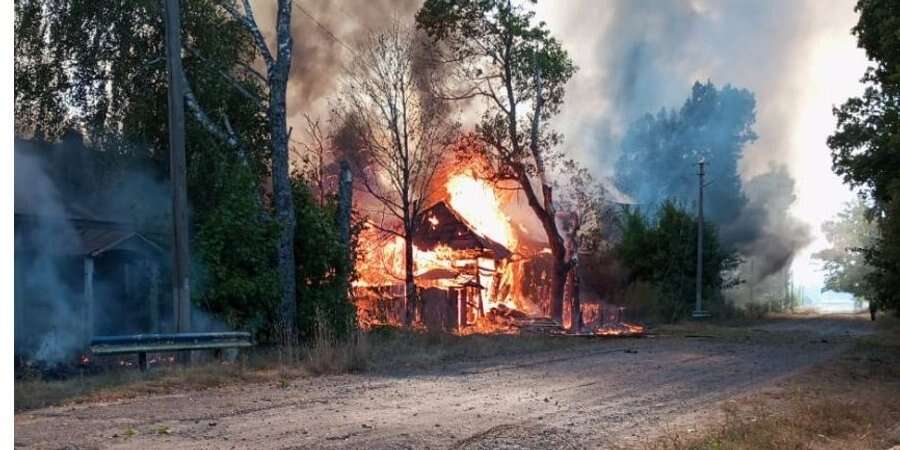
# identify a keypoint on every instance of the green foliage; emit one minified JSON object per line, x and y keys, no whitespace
{"x":884,"y":257}
{"x":663,"y":253}
{"x":864,"y":148}
{"x":324,"y":269}
{"x":99,"y":67}
{"x":844,"y":261}
{"x":659,"y":153}
{"x":235,"y":241}
{"x":499,"y":46}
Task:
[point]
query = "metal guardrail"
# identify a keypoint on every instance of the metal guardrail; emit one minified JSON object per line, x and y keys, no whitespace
{"x":174,"y":342}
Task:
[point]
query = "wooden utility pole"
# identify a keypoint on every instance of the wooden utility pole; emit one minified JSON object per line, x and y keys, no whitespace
{"x":181,"y":257}
{"x":698,"y":307}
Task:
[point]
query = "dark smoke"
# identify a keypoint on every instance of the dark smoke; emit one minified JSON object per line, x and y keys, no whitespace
{"x":635,"y":57}
{"x":766,"y":232}
{"x":638,"y":56}
{"x":66,"y":193}
{"x":321,"y":49}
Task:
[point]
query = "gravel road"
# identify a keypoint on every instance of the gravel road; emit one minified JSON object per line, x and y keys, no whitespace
{"x":615,"y":391}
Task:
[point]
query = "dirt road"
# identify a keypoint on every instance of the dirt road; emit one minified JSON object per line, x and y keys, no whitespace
{"x":614,"y":391}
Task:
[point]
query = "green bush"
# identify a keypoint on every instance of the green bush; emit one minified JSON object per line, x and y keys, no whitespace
{"x":234,"y":245}
{"x":324,"y":270}
{"x":662,"y":253}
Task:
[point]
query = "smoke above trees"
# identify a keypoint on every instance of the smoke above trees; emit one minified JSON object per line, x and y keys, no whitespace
{"x":658,"y":163}
{"x":644,"y":57}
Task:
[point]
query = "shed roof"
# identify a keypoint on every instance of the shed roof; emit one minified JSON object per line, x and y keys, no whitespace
{"x":96,"y":241}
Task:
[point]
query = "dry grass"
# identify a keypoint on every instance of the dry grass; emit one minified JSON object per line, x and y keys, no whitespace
{"x":328,"y":355}
{"x":852,"y":403}
{"x":120,"y":383}
{"x":393,"y":348}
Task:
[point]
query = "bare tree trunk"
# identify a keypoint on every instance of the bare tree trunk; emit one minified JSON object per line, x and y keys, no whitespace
{"x":344,"y":211}
{"x":345,"y":204}
{"x":284,"y":203}
{"x":410,"y":314}
{"x":558,"y":275}
{"x":559,"y":266}
{"x":575,"y":283}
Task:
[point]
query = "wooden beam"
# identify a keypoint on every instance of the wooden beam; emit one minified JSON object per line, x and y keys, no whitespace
{"x":480,"y":290}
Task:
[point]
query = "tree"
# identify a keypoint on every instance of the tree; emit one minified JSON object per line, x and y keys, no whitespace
{"x":844,"y":262}
{"x":325,"y":271}
{"x":399,"y":129}
{"x":100,"y":67}
{"x":659,"y":153}
{"x":278,"y":66}
{"x":316,"y":158}
{"x":864,"y":145}
{"x":583,"y":209}
{"x":235,"y":242}
{"x":660,"y":252}
{"x":519,"y":71}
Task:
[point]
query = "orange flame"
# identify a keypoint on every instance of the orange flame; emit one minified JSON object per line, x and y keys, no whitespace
{"x":477,"y":202}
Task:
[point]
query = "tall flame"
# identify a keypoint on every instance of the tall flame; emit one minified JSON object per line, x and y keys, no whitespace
{"x":476,"y":201}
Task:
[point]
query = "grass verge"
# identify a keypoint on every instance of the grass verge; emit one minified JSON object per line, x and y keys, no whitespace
{"x":850,"y":403}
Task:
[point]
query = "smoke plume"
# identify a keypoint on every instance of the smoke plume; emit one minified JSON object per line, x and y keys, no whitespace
{"x":66,"y":195}
{"x":638,"y":56}
{"x":634,"y":57}
{"x":325,"y":34}
{"x":57,"y":300}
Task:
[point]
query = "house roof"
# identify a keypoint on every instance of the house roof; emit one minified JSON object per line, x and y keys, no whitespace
{"x":442,"y":225}
{"x":79,"y":237}
{"x":96,"y":241}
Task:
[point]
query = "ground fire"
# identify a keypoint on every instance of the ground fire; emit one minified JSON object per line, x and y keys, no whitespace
{"x":481,"y":266}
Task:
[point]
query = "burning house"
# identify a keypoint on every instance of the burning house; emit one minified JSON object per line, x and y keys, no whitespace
{"x":461,"y":264}
{"x":481,"y":264}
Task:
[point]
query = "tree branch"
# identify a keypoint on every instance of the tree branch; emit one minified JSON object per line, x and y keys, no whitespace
{"x":234,"y":83}
{"x":249,"y":23}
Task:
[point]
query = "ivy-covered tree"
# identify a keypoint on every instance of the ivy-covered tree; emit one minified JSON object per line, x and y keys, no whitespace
{"x":324,"y":272}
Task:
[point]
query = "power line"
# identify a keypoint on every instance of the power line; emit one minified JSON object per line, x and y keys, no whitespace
{"x":323,"y":27}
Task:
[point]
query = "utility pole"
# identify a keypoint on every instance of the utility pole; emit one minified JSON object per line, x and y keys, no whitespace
{"x":181,"y":257}
{"x":698,"y":307}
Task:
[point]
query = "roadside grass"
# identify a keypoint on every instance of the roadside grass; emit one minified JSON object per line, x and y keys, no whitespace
{"x":379,"y":350}
{"x":397,"y":348}
{"x":850,"y":403}
{"x":116,"y":383}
